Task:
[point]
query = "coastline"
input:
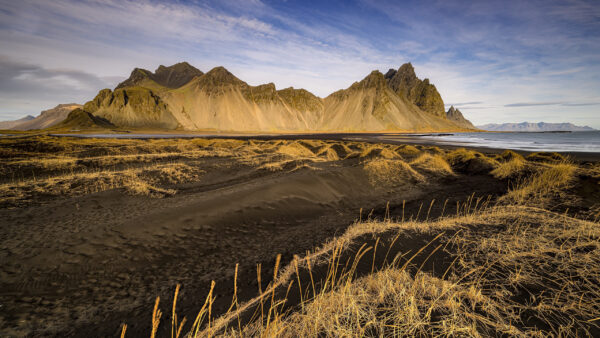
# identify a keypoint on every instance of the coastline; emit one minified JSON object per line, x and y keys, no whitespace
{"x":412,"y":138}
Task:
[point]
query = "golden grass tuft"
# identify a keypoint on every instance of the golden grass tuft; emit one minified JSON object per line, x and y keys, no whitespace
{"x":538,"y":189}
{"x":434,"y":164}
{"x":408,"y":150}
{"x":383,"y":171}
{"x":462,"y":155}
{"x":546,"y":157}
{"x":508,"y":155}
{"x":379,"y":151}
{"x":295,"y":150}
{"x":511,"y":168}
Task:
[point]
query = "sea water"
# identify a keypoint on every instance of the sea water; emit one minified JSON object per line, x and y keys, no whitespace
{"x":580,"y":141}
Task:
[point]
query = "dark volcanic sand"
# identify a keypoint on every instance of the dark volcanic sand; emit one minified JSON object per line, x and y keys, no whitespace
{"x":82,"y":266}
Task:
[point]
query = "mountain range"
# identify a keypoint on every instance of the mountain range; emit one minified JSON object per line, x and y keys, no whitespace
{"x":47,"y":118}
{"x":182,"y":97}
{"x":529,"y":126}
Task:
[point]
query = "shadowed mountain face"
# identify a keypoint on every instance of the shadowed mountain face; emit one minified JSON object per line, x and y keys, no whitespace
{"x":457,"y":117}
{"x":182,"y":97}
{"x":136,"y":107}
{"x":424,"y":95}
{"x":78,"y":118}
{"x":173,"y":76}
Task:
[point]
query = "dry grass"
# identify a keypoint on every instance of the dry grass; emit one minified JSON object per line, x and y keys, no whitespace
{"x":516,"y":271}
{"x":434,"y":164}
{"x":540,"y":188}
{"x":510,"y":169}
{"x":391,"y":172}
{"x":137,"y":181}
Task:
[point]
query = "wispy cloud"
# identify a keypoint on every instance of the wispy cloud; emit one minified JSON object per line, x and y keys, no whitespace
{"x":531,"y":104}
{"x":582,"y":104}
{"x":458,"y":104}
{"x":23,"y":83}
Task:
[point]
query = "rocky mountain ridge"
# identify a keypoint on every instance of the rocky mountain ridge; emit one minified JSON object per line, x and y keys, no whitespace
{"x":181,"y":97}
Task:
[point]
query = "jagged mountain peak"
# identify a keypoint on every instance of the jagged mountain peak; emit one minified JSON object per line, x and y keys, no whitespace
{"x":457,"y":117}
{"x":424,"y":95}
{"x":375,"y":79}
{"x":219,"y":76}
{"x":172,"y":77}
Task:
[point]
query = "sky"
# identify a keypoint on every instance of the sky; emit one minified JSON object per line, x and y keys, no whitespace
{"x":497,"y":61}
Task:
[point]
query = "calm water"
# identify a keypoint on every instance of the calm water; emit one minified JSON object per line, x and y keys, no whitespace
{"x":584,"y":141}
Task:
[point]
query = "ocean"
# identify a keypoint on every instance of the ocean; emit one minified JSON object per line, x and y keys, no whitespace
{"x":581,"y":141}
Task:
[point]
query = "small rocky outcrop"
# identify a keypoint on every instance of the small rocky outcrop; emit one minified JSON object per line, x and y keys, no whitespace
{"x":457,"y":117}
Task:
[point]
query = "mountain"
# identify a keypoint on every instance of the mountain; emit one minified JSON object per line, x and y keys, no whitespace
{"x":220,"y":101}
{"x":528,"y":126}
{"x":182,"y":97}
{"x":457,"y":117}
{"x":79,"y":119}
{"x":173,"y":76}
{"x":371,"y":105}
{"x":135,"y":107}
{"x":424,"y":95}
{"x":48,"y":118}
{"x":14,"y":123}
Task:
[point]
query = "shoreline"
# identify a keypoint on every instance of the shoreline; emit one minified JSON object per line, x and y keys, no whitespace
{"x":413,"y":138}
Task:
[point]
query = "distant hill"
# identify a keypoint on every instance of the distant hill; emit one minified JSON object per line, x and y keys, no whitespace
{"x":529,"y":126}
{"x":457,"y":117}
{"x":80,"y":119}
{"x":47,"y":118}
{"x":14,"y":123}
{"x":184,"y":98}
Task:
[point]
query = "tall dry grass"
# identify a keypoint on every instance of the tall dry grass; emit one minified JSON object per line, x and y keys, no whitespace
{"x":532,"y":273}
{"x":550,"y":181}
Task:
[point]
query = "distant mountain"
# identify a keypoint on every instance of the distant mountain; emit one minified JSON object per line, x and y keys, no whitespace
{"x":529,"y":126}
{"x":183,"y":97}
{"x":14,"y":123}
{"x":47,"y":118}
{"x":457,"y":117}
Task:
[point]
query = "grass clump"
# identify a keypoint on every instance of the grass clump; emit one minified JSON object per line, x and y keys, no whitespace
{"x":434,"y":164}
{"x":511,"y":168}
{"x":379,"y":151}
{"x":546,"y":157}
{"x":470,"y":161}
{"x":408,"y":150}
{"x":295,"y":150}
{"x":383,"y":171}
{"x":540,"y":188}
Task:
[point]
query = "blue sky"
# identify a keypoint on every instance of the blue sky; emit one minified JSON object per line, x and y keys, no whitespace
{"x":498,"y":61}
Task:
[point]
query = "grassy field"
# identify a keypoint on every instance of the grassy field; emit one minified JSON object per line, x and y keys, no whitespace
{"x":525,"y":263}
